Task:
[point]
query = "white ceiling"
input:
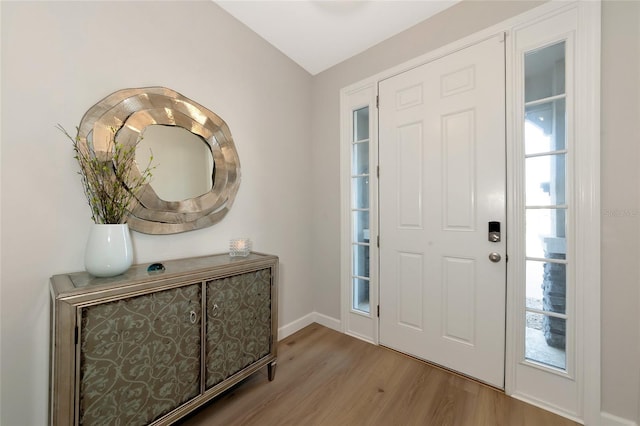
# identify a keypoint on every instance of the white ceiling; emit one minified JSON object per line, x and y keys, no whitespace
{"x":320,"y":34}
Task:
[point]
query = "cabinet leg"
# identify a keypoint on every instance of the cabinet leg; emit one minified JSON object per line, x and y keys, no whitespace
{"x":271,"y":370}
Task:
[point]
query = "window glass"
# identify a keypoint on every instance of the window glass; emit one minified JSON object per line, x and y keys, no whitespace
{"x":361,"y":124}
{"x":546,"y":233}
{"x":544,"y":127}
{"x":361,"y":294}
{"x":360,"y":226}
{"x":545,"y":146}
{"x":361,"y":260}
{"x":544,"y":71}
{"x":547,"y":286}
{"x":360,"y":231}
{"x":360,"y":192}
{"x":546,"y":340}
{"x":545,"y":180}
{"x":360,"y":158}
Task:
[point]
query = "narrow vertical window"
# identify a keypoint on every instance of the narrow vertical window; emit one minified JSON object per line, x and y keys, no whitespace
{"x":360,"y":211}
{"x":546,"y":206}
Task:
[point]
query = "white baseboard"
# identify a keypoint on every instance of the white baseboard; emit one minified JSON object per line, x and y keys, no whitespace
{"x":361,"y":337}
{"x":288,"y":329}
{"x":296,"y":325}
{"x":327,"y":321}
{"x":545,"y":405}
{"x":607,"y":419}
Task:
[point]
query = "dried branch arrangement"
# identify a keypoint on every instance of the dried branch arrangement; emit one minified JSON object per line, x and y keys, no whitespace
{"x":108,"y":178}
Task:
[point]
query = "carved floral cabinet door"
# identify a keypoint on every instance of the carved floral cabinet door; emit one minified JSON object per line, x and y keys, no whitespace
{"x":140,"y":356}
{"x":238,"y":330}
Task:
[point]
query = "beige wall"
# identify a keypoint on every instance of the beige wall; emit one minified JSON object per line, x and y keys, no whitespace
{"x":621,"y":208}
{"x":58,"y":59}
{"x":620,"y":176}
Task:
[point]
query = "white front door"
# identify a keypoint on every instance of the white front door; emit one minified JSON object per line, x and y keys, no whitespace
{"x":442,"y":181}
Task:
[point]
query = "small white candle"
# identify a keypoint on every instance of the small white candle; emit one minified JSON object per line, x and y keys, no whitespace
{"x":239,"y":247}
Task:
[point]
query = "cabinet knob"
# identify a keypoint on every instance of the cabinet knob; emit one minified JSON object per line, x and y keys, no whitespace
{"x":193,"y":317}
{"x":214,"y":311}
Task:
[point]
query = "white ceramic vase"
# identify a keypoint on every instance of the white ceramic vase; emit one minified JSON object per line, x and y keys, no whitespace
{"x":109,"y":251}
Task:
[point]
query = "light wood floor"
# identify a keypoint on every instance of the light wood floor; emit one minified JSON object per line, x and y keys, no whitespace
{"x":327,"y":378}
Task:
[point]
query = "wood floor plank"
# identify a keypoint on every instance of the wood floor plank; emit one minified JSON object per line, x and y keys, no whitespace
{"x":328,"y":378}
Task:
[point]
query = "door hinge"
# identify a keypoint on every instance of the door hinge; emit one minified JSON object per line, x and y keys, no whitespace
{"x":377,"y":101}
{"x":377,"y":171}
{"x":378,"y":311}
{"x":75,"y":335}
{"x":378,"y":241}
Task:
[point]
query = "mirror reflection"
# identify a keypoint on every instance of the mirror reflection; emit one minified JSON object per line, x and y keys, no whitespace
{"x":184,"y":162}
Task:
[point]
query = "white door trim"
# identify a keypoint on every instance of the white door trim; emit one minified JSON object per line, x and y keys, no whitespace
{"x":587,"y":188}
{"x":587,"y":118}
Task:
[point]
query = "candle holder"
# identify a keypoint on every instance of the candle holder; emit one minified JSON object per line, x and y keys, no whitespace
{"x":239,"y":247}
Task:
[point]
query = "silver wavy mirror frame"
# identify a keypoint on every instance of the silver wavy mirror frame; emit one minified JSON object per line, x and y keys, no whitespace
{"x":128,"y":112}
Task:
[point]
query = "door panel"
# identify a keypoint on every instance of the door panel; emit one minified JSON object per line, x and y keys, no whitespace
{"x":459,"y":289}
{"x":410,"y":267}
{"x":238,"y":323}
{"x":442,"y":179}
{"x":409,"y":155}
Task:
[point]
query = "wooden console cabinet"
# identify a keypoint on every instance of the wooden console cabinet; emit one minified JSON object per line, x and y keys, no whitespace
{"x":149,"y":347}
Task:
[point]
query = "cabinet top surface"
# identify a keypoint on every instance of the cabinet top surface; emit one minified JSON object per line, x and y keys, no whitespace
{"x":172,"y":268}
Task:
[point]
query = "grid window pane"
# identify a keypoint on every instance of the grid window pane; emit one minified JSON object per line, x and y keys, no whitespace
{"x":361,"y":295}
{"x":360,"y":158}
{"x":546,"y":180}
{"x":547,"y":286}
{"x":360,"y":192}
{"x":360,"y":226}
{"x":544,"y":127}
{"x":361,"y":124}
{"x":361,"y":260}
{"x":544,"y":71}
{"x":546,"y":233}
{"x":545,"y":340}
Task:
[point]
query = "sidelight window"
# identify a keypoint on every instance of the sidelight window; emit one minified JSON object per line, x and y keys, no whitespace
{"x":360,"y":211}
{"x":546,"y":206}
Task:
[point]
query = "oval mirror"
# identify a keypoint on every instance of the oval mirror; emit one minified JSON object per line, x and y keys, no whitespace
{"x":184,"y":137}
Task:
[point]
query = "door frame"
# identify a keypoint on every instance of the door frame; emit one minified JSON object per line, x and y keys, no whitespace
{"x":587,"y":204}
